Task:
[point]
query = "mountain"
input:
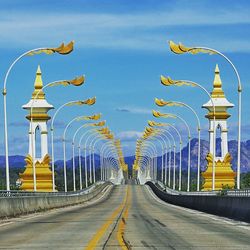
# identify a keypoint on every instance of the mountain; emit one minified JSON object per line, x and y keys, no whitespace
{"x":18,"y":160}
{"x":15,"y":161}
{"x":69,"y":163}
{"x":232,"y":145}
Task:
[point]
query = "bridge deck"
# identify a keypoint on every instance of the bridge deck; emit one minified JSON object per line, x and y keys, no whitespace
{"x":130,"y":217}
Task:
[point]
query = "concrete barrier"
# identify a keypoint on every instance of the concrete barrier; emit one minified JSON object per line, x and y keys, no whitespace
{"x":14,"y":206}
{"x":237,"y":208}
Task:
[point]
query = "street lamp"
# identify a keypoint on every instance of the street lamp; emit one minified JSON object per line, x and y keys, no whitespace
{"x":165,"y":130}
{"x":63,"y":50}
{"x":153,"y":157}
{"x":94,"y":117}
{"x":79,"y":147}
{"x":162,"y":136}
{"x":92,"y":144}
{"x":167,"y":81}
{"x":158,"y":115}
{"x":102,"y":153}
{"x":93,"y":151}
{"x":78,"y":118}
{"x":162,"y":103}
{"x":156,"y":124}
{"x":71,"y":103}
{"x":181,"y":49}
{"x":149,"y":134}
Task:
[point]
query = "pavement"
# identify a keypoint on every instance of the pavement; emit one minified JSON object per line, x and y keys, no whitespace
{"x":126,"y":217}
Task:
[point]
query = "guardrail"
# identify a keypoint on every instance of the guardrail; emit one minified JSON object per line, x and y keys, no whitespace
{"x":233,"y":204}
{"x":14,"y":203}
{"x":223,"y":192}
{"x":20,"y":193}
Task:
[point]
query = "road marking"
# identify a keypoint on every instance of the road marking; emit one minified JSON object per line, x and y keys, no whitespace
{"x":239,"y":224}
{"x":56,"y":210}
{"x":102,"y":230}
{"x":122,"y":223}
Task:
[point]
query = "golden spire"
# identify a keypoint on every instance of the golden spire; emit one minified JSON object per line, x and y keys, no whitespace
{"x":38,"y":85}
{"x":217,"y":90}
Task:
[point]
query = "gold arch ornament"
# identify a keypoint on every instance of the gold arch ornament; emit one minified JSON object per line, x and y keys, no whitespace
{"x":181,"y":49}
{"x":62,"y":49}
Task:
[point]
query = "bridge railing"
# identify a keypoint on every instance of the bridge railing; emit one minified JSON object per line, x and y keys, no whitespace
{"x":224,"y":192}
{"x":20,"y":193}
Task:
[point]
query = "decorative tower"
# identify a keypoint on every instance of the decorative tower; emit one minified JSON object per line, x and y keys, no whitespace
{"x":224,"y":175}
{"x":38,"y":117}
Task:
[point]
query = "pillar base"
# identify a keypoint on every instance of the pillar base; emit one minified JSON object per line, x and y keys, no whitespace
{"x":43,"y":175}
{"x":224,"y":175}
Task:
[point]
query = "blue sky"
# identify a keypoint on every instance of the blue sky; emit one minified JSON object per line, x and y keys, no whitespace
{"x":121,"y":47}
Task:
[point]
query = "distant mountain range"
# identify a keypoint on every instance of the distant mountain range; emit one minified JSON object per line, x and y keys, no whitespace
{"x":17,"y":161}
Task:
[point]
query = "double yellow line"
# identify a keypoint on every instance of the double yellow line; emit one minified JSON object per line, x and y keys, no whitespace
{"x":123,"y":208}
{"x":122,"y":223}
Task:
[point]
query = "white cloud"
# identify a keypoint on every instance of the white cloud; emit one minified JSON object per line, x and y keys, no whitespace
{"x":135,"y":110}
{"x":129,"y":135}
{"x":129,"y":31}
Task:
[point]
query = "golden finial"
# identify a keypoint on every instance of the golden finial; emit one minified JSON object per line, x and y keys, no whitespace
{"x":38,"y":93}
{"x":217,"y":90}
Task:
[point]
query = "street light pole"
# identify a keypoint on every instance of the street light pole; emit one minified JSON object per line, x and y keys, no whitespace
{"x":63,"y":50}
{"x":180,"y":49}
{"x":168,"y":82}
{"x":180,"y":104}
{"x":71,"y":103}
{"x":64,"y":154}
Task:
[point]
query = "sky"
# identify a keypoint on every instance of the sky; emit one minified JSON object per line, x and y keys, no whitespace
{"x":122,"y":49}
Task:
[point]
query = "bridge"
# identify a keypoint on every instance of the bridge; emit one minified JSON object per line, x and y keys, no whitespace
{"x":124,"y":216}
{"x":106,"y":203}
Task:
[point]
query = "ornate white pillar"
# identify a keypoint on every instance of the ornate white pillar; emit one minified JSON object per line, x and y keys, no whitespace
{"x":37,"y":108}
{"x":224,"y":175}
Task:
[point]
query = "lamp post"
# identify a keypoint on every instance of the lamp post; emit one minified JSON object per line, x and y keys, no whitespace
{"x":161,"y":103}
{"x":71,"y":103}
{"x":93,"y":117}
{"x":155,"y":124}
{"x":163,"y":152}
{"x":94,"y":142}
{"x":158,"y":115}
{"x":63,"y":50}
{"x":79,"y":158}
{"x":180,"y":49}
{"x":90,"y":164}
{"x":169,"y":158}
{"x":154,"y":150}
{"x":78,"y":118}
{"x":169,"y":115}
{"x":102,"y":153}
{"x":85,"y":160}
{"x":79,"y":146}
{"x":170,"y":82}
{"x":154,"y":157}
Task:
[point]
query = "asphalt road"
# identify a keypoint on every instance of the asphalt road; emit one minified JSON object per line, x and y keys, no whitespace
{"x":129,"y":218}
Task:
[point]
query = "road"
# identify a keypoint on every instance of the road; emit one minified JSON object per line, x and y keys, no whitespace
{"x":129,"y":218}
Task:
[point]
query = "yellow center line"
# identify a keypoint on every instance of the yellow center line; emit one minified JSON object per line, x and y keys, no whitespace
{"x":122,"y":223}
{"x":101,"y":231}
